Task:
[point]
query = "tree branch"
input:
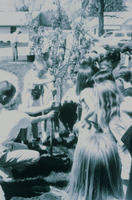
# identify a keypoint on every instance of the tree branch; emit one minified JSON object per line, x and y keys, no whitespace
{"x":107,"y":5}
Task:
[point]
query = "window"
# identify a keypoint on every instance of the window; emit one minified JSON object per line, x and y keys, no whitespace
{"x":119,"y":35}
{"x":107,"y":34}
{"x":129,"y":34}
{"x":12,"y":29}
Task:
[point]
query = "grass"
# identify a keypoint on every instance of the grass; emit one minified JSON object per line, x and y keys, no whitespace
{"x":8,"y":44}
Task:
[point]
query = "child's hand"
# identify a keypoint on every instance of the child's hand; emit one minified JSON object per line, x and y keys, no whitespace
{"x":55,"y":106}
{"x":51,"y":114}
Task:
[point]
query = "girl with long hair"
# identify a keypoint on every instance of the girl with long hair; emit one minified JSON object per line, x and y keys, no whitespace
{"x":109,"y":104}
{"x":96,"y":170}
{"x":89,"y":96}
{"x":107,"y":113}
{"x":108,"y":101}
{"x":103,"y":101}
{"x":84,"y":81}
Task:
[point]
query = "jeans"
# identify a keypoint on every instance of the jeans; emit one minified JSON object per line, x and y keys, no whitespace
{"x":18,"y":157}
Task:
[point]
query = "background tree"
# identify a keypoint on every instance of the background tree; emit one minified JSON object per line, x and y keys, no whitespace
{"x":52,"y":13}
{"x":109,"y":6}
{"x":96,"y":8}
{"x":101,"y":17}
{"x":21,"y":5}
{"x":32,"y":9}
{"x":58,"y":65}
{"x":28,"y":5}
{"x":113,"y":6}
{"x":61,"y":19}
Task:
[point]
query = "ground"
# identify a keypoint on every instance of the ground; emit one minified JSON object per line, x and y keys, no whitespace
{"x":56,"y":175}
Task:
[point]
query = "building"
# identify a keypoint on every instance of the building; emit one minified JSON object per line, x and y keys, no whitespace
{"x":112,"y":21}
{"x":9,"y":21}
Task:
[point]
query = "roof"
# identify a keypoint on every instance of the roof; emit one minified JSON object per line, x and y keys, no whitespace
{"x":21,"y":18}
{"x":110,"y":18}
{"x":14,"y":18}
{"x":116,"y":17}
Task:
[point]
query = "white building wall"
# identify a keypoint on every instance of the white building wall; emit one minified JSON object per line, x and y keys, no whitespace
{"x":4,"y":30}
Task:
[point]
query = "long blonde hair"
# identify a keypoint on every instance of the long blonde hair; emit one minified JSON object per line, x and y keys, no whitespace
{"x":83,"y":79}
{"x":96,"y":170}
{"x":108,"y":99}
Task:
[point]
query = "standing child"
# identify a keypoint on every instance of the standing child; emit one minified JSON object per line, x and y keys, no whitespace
{"x":96,"y":170}
{"x":37,"y":92}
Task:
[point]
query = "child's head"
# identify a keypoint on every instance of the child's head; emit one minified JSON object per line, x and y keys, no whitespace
{"x":96,"y":170}
{"x":40,"y":66}
{"x":9,"y":88}
{"x":89,"y":61}
{"x":103,"y":75}
{"x":109,"y":58}
{"x":7,"y":92}
{"x":123,"y":78}
{"x":83,"y":79}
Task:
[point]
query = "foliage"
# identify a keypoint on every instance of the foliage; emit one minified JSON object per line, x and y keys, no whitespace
{"x":109,"y":6}
{"x":57,"y":65}
{"x":32,"y":24}
{"x":60,"y":19}
{"x":85,"y":8}
{"x":57,"y":43}
{"x":96,"y":8}
{"x":82,"y":42}
{"x":23,"y":9}
{"x":21,"y":6}
{"x":28,"y":5}
{"x":33,"y":27}
{"x":113,"y":6}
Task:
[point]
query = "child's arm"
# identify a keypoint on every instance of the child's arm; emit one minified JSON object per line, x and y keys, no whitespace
{"x":42,"y":117}
{"x":36,"y":109}
{"x":38,"y":81}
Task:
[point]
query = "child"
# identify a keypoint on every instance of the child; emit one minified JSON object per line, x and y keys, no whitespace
{"x":84,"y":88}
{"x":12,"y":154}
{"x":124,"y":80}
{"x":103,"y":107}
{"x":37,"y":91}
{"x":96,"y":170}
{"x":110,"y":117}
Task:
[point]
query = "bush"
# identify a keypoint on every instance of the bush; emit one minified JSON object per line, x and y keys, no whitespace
{"x":4,"y":44}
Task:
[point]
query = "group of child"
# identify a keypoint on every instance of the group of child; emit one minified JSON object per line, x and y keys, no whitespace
{"x":24,"y":119}
{"x":102,"y":160}
{"x":103,"y":115}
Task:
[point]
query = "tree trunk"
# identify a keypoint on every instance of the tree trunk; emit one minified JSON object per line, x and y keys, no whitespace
{"x":61,"y":90}
{"x":101,"y":17}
